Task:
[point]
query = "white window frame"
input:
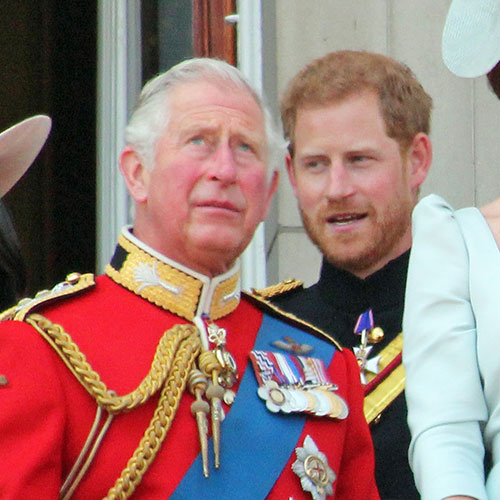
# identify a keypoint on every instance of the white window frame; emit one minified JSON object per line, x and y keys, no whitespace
{"x":119,"y":82}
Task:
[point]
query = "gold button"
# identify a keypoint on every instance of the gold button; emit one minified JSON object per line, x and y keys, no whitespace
{"x":73,"y":278}
{"x":375,"y":335}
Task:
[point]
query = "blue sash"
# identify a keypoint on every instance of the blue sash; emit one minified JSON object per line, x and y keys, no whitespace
{"x":255,"y":443}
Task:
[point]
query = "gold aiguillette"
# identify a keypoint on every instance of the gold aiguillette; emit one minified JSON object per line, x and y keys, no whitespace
{"x":199,"y":408}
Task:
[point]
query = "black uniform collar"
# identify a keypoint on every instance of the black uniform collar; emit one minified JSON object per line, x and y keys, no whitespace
{"x":381,"y":290}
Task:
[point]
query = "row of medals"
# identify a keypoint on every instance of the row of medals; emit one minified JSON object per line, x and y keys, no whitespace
{"x":320,"y":401}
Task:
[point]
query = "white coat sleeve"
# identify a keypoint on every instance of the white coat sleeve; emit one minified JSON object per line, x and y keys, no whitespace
{"x":444,"y":392}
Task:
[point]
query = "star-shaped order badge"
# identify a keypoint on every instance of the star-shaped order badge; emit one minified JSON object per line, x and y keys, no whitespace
{"x":277,"y":398}
{"x":366,"y":365}
{"x":312,"y":467}
{"x":364,"y":326}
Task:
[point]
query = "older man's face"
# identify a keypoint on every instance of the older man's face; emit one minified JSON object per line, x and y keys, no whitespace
{"x":207,"y":191}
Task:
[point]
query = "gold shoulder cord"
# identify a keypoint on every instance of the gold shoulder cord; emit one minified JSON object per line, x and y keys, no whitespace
{"x":278,"y":289}
{"x":173,"y":360}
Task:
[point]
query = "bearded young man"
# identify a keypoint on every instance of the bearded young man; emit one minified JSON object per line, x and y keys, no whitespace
{"x":160,"y":379}
{"x":358,"y":127}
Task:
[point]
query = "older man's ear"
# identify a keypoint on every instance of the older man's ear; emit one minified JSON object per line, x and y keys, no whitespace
{"x":135,"y":174}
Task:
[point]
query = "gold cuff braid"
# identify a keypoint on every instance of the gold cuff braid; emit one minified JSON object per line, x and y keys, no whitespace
{"x":174,"y":358}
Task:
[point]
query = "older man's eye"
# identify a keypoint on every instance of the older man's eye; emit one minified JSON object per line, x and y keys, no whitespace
{"x":358,"y":158}
{"x":197,"y":140}
{"x":243,"y":146}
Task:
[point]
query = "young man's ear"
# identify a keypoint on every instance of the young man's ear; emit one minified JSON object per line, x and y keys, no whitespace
{"x":419,"y":159}
{"x":136,"y":175}
{"x":291,"y":173}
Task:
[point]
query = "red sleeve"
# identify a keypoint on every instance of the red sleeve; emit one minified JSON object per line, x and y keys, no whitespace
{"x":31,"y":415}
{"x":356,"y":479}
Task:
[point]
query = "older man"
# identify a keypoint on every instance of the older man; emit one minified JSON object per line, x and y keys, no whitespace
{"x":159,"y":380}
{"x":357,"y":123}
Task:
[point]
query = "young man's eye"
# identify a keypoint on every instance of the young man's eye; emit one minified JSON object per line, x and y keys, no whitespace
{"x":314,"y":164}
{"x":360,"y":159}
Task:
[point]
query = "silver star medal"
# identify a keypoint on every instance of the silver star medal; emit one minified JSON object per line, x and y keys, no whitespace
{"x":277,"y":398}
{"x":312,"y":467}
{"x":365,"y":364}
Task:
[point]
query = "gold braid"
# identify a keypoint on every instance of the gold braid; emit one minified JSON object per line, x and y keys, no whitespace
{"x":174,"y":358}
{"x":160,"y":423}
{"x":208,"y":363}
{"x":90,"y":379}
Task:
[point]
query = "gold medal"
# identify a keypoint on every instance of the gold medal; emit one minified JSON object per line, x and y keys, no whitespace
{"x":311,"y":402}
{"x":338,"y":407}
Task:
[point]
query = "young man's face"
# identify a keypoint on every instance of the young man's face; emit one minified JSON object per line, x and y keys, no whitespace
{"x":355,"y":190}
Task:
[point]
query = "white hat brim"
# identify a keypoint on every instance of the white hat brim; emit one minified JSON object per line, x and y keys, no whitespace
{"x":19,"y":146}
{"x":471,"y":37}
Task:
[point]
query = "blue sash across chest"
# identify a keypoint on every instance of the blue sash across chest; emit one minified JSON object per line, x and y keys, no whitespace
{"x":256,"y":444}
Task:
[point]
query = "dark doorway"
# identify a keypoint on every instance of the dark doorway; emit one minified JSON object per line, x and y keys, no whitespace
{"x":48,"y":58}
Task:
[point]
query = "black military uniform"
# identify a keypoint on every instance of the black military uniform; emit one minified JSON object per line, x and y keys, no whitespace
{"x":334,"y":305}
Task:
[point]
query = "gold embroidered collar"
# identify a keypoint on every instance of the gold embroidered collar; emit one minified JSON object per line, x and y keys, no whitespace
{"x":170,"y":285}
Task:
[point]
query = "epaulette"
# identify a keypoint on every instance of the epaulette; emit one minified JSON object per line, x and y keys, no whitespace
{"x":278,"y":289}
{"x":264,"y":305}
{"x":74,"y":283}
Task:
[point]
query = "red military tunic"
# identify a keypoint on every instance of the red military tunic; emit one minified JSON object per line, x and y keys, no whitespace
{"x":46,"y":413}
